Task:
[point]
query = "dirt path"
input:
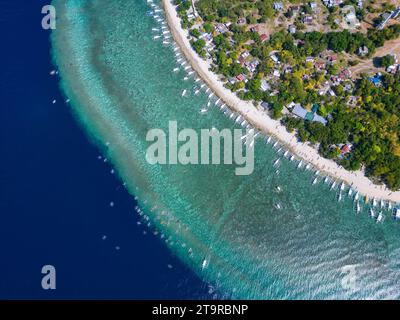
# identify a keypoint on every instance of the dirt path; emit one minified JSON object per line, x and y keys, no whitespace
{"x":367,"y":66}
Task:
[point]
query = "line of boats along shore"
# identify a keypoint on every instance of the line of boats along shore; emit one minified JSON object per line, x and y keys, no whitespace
{"x":378,"y":210}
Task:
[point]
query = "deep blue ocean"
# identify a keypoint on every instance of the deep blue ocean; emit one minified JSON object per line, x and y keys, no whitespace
{"x":55,"y":193}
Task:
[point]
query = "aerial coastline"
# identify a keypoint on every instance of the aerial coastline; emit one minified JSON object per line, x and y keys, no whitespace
{"x":260,"y":120}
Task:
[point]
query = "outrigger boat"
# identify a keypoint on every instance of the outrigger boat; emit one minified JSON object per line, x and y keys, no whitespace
{"x":380,"y":217}
{"x":396,"y":213}
{"x":300,"y":164}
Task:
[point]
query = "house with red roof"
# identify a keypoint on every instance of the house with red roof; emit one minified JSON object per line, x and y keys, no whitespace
{"x":345,"y":149}
{"x":241,"y":77}
{"x":263,"y":37}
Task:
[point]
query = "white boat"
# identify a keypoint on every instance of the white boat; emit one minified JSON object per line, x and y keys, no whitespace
{"x":358,"y":207}
{"x":357,"y":196}
{"x":204,"y":264}
{"x":278,"y":188}
{"x":275,"y":144}
{"x":396,"y":213}
{"x":286,"y":153}
{"x":269,"y":139}
{"x":203,"y":110}
{"x":278,"y":206}
{"x":374,"y":202}
{"x":155,"y":29}
{"x":340,"y":196}
{"x":187,"y":67}
{"x":300,"y":164}
{"x":382,"y":203}
{"x":317,"y":172}
{"x":326,"y":180}
{"x":308,"y":166}
{"x":166,"y":42}
{"x":190,"y":73}
{"x":184,"y":92}
{"x":380,"y":217}
{"x":389,"y":205}
{"x":342,"y":186}
{"x":176,"y":69}
{"x":186,"y":78}
{"x":292,"y":158}
{"x":315,"y":180}
{"x":372,"y":213}
{"x":197,"y":92}
{"x":276,"y":162}
{"x":333,"y":185}
{"x":350,"y":192}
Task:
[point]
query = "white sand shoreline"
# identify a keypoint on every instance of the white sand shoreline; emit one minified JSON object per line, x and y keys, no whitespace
{"x":260,"y":120}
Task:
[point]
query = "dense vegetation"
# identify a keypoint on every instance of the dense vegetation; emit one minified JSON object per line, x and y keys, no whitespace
{"x":371,"y":124}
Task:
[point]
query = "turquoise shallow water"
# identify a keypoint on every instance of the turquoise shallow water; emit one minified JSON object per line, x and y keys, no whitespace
{"x":121,"y":84}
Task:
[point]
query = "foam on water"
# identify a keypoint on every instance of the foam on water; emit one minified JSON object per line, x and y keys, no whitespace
{"x":120,"y":84}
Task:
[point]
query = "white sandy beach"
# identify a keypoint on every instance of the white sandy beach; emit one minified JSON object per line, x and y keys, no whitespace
{"x":264,"y":123}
